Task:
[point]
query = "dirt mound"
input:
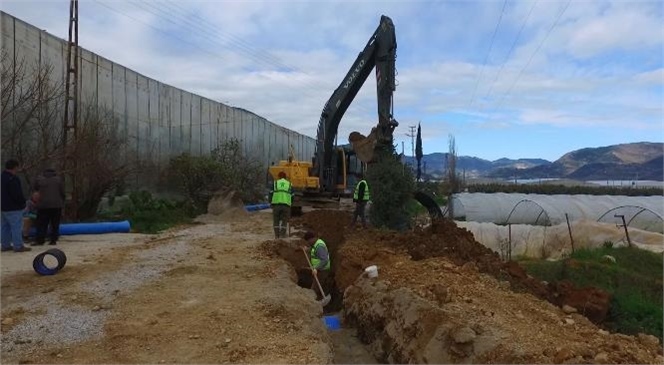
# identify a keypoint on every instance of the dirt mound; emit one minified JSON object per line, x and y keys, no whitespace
{"x":442,"y":239}
{"x":225,"y":204}
{"x":445,"y":239}
{"x":432,"y":311}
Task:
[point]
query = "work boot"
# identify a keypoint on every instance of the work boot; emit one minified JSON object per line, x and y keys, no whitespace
{"x":23,"y":249}
{"x":52,"y":243}
{"x":6,"y":249}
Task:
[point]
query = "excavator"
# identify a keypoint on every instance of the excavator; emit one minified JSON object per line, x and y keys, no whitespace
{"x":330,"y":173}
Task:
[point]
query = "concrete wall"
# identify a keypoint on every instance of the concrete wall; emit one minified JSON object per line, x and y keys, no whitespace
{"x":158,"y":120}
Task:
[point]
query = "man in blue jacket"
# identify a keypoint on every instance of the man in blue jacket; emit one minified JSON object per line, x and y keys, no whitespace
{"x":13,"y":203}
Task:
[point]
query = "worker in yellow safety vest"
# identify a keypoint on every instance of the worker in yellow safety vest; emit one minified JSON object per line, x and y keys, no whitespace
{"x":361,"y":196}
{"x":282,"y":196}
{"x":319,"y":257}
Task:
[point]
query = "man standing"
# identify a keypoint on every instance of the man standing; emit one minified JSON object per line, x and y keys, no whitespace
{"x":319,"y":257}
{"x":49,"y":209}
{"x":13,"y":203}
{"x":282,"y":196}
{"x":360,"y":198}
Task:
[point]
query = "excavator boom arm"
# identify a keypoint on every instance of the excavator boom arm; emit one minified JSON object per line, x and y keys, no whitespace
{"x":379,"y":52}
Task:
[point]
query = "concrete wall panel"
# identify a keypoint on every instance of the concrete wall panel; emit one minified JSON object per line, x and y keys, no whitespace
{"x":53,"y":57}
{"x":7,"y":39}
{"x":153,"y":121}
{"x":186,"y":122}
{"x":131,"y":116}
{"x":143,"y":116}
{"x":195,"y":125}
{"x":87,"y":77}
{"x":157,"y":120}
{"x":175,"y":136}
{"x":27,"y":43}
{"x":206,"y":126}
{"x":104,"y":83}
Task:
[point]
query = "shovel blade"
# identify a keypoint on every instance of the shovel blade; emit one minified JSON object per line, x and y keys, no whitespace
{"x":325,"y":301}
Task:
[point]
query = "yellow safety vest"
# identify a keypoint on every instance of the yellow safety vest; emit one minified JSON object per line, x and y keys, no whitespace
{"x":282,"y":192}
{"x":315,"y":261}
{"x":366,"y":196}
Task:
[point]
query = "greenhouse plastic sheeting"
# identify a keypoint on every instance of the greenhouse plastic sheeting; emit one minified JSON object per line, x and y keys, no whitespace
{"x":644,"y":212}
{"x":554,"y":241}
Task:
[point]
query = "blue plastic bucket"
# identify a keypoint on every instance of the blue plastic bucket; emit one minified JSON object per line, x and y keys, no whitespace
{"x":332,"y":322}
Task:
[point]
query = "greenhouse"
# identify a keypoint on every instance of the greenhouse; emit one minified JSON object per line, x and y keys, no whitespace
{"x":643,"y":212}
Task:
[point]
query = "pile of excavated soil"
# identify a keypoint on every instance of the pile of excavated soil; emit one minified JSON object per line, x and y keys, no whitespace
{"x":432,"y":311}
{"x":445,"y":239}
{"x":224,"y":204}
{"x":441,"y":297}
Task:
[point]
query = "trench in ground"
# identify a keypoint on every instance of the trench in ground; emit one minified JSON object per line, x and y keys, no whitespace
{"x":346,"y":346}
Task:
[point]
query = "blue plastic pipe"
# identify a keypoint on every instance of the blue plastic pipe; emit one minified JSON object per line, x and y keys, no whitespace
{"x":71,"y":229}
{"x":255,"y":207}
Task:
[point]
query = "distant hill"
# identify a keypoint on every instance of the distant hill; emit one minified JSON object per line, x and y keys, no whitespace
{"x":629,"y":161}
{"x":436,"y":164}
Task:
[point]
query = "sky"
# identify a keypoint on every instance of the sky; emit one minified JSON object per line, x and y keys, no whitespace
{"x":505,"y":78}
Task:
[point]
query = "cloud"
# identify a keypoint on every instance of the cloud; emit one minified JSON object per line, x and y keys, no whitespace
{"x":655,"y":77}
{"x":283,"y":60}
{"x":619,"y":29}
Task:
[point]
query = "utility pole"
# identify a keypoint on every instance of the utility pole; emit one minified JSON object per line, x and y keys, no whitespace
{"x":71,"y":108}
{"x":412,"y":134}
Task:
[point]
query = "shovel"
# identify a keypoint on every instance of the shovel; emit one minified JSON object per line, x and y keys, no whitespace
{"x":326,"y":300}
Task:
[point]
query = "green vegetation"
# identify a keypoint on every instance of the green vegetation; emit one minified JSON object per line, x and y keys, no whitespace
{"x":392,"y":188}
{"x":151,"y":215}
{"x":199,"y":177}
{"x":635,"y":281}
{"x":551,"y":189}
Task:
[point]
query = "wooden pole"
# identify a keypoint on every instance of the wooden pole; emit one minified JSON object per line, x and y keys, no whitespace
{"x":569,"y":229}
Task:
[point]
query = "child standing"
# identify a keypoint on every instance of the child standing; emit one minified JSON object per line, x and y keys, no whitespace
{"x":30,"y":214}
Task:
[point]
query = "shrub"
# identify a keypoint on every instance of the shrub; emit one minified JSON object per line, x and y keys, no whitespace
{"x":392,"y":188}
{"x":199,"y":177}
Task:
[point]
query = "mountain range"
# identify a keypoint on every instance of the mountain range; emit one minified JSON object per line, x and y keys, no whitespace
{"x":630,"y":161}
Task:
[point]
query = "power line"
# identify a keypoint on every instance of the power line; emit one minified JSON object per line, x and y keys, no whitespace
{"x":234,"y":39}
{"x":157,"y":29}
{"x":510,"y":51}
{"x":486,"y":59}
{"x":315,"y":84}
{"x":555,"y":23}
{"x":244,"y":47}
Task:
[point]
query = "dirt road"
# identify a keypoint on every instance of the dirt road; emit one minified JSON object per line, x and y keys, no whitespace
{"x":202,"y":294}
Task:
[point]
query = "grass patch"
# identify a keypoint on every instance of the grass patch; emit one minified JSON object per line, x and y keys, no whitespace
{"x":152,"y":215}
{"x":635,"y":281}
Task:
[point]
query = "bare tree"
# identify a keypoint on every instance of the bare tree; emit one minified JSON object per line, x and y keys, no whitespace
{"x":98,"y":168}
{"x":30,"y":99}
{"x":32,"y":115}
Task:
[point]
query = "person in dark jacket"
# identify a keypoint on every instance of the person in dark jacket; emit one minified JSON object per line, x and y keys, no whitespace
{"x":49,"y":209}
{"x":13,"y":203}
{"x":360,"y":197}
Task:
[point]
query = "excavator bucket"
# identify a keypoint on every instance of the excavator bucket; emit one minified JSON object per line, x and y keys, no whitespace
{"x":363,"y":146}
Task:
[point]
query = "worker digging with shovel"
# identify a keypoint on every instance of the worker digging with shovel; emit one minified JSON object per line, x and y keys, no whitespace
{"x":319,"y":262}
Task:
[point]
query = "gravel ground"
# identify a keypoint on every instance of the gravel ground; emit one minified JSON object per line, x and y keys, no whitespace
{"x":56,"y":322}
